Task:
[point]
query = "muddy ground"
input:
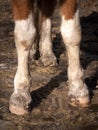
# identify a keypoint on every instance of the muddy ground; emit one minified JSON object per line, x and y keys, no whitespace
{"x":50,"y":110}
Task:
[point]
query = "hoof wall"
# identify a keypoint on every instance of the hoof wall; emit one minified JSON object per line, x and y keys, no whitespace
{"x":18,"y":110}
{"x":80,"y":102}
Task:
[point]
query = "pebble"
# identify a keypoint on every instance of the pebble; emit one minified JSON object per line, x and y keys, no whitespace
{"x":3,"y":66}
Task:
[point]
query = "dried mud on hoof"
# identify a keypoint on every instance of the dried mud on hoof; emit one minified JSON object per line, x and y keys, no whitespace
{"x":50,"y":108}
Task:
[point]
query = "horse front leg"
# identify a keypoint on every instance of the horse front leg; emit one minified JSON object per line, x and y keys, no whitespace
{"x":24,"y":37}
{"x":71,"y":33}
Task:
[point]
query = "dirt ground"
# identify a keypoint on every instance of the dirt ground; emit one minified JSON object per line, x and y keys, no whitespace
{"x":50,"y":110}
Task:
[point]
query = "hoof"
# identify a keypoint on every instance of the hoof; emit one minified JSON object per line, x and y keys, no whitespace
{"x":80,"y":102}
{"x":48,"y":60}
{"x":17,"y":110}
{"x":20,"y":103}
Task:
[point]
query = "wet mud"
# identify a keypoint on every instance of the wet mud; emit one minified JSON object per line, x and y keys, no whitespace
{"x":50,"y":110}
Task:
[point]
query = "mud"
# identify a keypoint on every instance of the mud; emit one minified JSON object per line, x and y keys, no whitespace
{"x":50,"y":110}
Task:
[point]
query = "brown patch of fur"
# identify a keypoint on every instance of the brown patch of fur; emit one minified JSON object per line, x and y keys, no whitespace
{"x":21,"y":8}
{"x":47,"y":8}
{"x":68,"y":8}
{"x":25,"y":45}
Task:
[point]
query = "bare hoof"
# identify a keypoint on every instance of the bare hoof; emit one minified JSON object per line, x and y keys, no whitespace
{"x":20,"y":103}
{"x":17,"y":110}
{"x":79,"y":102}
{"x":48,"y":60}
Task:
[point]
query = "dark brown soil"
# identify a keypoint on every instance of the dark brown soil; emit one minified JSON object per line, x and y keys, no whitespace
{"x":50,"y":110}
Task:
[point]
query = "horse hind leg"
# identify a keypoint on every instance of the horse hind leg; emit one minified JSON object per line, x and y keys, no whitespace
{"x":45,"y":44}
